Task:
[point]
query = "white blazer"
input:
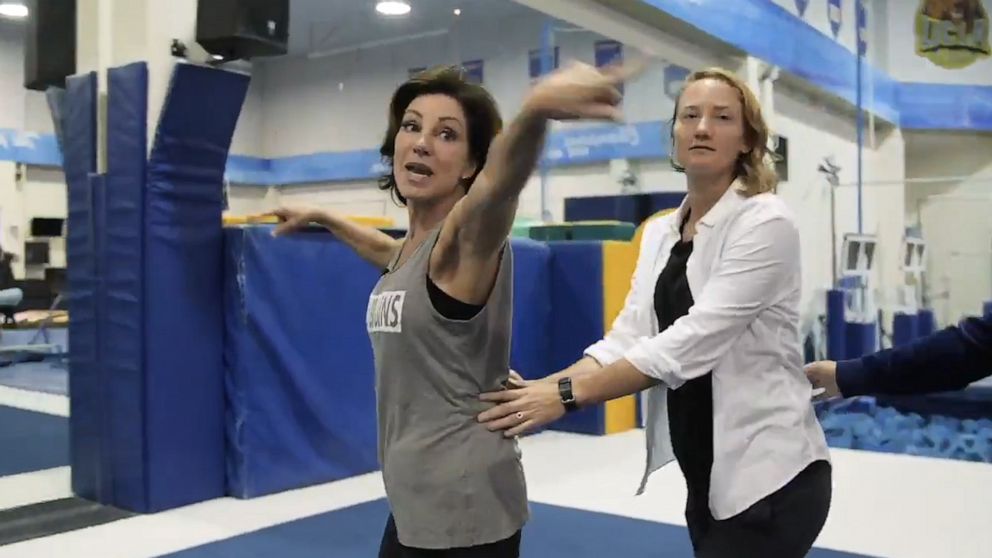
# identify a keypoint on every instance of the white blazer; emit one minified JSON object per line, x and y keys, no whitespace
{"x":744,"y":274}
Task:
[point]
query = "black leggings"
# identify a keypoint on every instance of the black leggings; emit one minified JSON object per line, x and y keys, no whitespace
{"x":391,"y":547}
{"x":784,"y":524}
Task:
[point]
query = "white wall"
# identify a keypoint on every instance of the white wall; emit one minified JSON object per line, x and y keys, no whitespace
{"x":815,"y":131}
{"x":905,"y":65}
{"x":949,"y":193}
{"x":35,"y":192}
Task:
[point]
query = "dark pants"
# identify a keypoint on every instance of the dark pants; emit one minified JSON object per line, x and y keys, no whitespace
{"x":784,"y":524}
{"x":391,"y":548}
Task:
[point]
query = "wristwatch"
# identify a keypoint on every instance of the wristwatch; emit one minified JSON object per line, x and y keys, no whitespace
{"x":565,"y":391}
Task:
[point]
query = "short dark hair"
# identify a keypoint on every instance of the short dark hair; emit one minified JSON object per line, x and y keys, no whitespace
{"x":481,"y":111}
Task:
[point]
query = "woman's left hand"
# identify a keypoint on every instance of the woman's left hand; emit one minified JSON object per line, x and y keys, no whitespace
{"x":524,"y":409}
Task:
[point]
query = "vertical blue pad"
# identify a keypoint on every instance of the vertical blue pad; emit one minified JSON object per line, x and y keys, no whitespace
{"x":926,"y":323}
{"x":79,"y":130}
{"x":529,"y":353}
{"x":904,"y":328}
{"x":861,"y":339}
{"x":184,"y":315}
{"x":577,"y":318}
{"x":299,"y":366}
{"x":122,"y":325}
{"x":836,"y":332}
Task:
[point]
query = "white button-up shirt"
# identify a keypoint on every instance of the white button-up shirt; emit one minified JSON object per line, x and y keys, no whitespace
{"x":744,"y":274}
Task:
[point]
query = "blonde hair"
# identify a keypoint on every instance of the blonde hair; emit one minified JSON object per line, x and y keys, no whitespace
{"x":755,"y":169}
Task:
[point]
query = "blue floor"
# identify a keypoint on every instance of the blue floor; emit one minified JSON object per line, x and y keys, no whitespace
{"x":553,"y":531}
{"x":47,"y":377}
{"x":32,"y":441}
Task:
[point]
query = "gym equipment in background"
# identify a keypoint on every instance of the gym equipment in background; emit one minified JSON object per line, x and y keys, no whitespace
{"x":851,"y":306}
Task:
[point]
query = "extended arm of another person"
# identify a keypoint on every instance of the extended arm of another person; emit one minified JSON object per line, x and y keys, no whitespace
{"x":948,"y":360}
{"x":751,"y":275}
{"x":371,"y":244}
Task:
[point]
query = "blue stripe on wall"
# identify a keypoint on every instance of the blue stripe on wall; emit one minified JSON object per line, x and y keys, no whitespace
{"x":785,"y":41}
{"x":573,"y":146}
{"x":936,"y":106}
{"x":30,"y":148}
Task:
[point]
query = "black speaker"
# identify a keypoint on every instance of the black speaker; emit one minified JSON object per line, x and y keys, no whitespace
{"x":50,"y":43}
{"x":243,"y":29}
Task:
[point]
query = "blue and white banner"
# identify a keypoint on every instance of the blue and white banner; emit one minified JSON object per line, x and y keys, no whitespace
{"x":609,"y":52}
{"x":801,"y":6}
{"x":835,"y":13}
{"x":538,"y":66}
{"x":30,"y":148}
{"x":674,"y":77}
{"x":594,"y":144}
{"x":861,"y":15}
{"x":473,"y":71}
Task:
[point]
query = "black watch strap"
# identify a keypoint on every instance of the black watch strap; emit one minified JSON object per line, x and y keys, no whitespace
{"x":565,"y":392}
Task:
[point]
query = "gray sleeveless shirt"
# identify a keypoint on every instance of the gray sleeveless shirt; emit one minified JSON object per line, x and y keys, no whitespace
{"x":450,"y":482}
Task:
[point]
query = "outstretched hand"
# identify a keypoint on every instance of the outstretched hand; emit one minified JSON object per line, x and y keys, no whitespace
{"x":581,"y":91}
{"x":523,"y":409}
{"x":291,"y":219}
{"x":823,"y":375}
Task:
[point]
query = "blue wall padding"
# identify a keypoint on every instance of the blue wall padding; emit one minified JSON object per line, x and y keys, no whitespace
{"x":532,"y":317}
{"x":836,"y":326}
{"x":183,"y":302}
{"x":904,"y":328}
{"x":577,"y":318}
{"x":122,"y":322}
{"x":630,"y":208}
{"x":987,"y":309}
{"x":298,"y":362}
{"x":79,"y":130}
{"x":926,"y":324}
{"x":299,"y":369}
{"x":860,"y":339}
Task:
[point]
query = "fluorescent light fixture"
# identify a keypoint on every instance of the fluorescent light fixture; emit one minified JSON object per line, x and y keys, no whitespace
{"x":458,"y":11}
{"x":217,"y":56}
{"x":393,"y":8}
{"x":13,"y":9}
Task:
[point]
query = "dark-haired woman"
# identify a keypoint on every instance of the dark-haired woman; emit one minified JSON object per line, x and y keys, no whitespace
{"x":439,"y":318}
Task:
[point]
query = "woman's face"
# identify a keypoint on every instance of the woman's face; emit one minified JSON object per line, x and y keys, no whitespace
{"x":431,"y":154}
{"x":709,"y":128}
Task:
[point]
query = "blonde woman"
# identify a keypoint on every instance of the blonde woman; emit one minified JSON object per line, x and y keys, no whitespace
{"x":710,"y":328}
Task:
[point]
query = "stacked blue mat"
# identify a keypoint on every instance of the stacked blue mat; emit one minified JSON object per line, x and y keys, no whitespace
{"x":144,"y":254}
{"x":298,"y":363}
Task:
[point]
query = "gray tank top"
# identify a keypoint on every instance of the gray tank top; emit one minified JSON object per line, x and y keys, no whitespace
{"x":450,"y":482}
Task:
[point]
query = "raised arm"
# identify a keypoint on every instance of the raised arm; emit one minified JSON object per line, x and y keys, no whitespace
{"x":480,"y":223}
{"x":371,"y":244}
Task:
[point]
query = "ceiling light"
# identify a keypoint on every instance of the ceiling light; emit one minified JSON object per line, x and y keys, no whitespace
{"x":458,"y":11}
{"x":13,"y":9}
{"x":393,"y":8}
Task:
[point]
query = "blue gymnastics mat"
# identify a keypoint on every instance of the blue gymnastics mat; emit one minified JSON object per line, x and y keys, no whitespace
{"x":31,"y":441}
{"x":553,"y":532}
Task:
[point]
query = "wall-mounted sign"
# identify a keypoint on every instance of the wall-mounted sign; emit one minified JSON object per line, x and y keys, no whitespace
{"x":952,"y":34}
